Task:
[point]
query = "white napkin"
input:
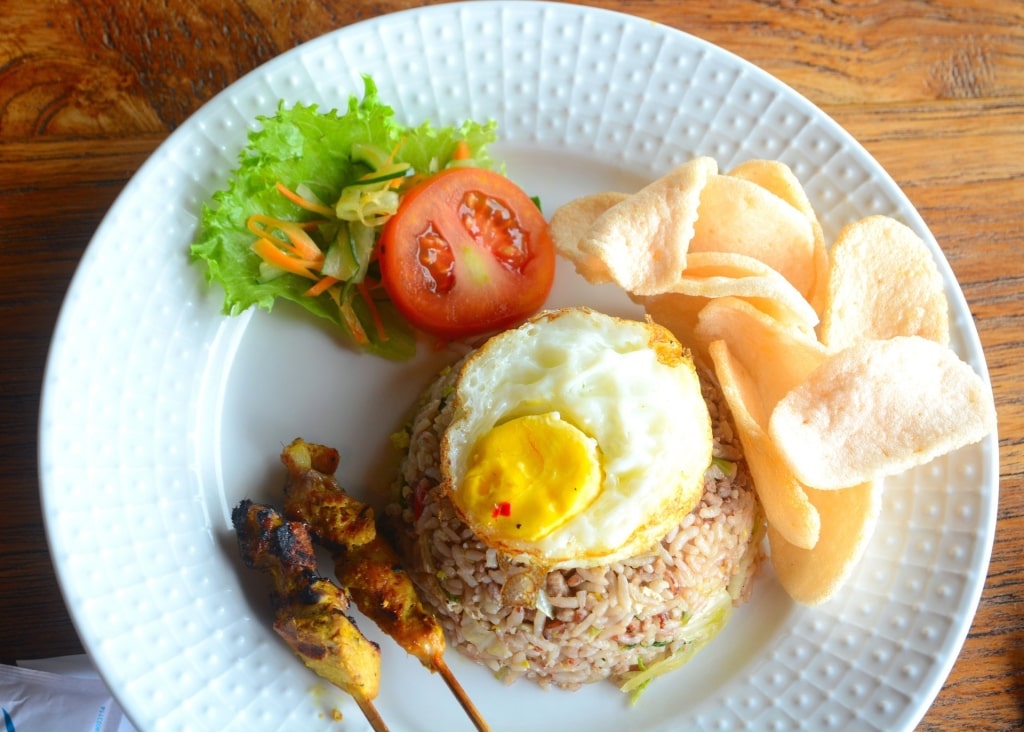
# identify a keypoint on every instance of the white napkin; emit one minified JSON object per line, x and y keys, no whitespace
{"x":63,"y":693}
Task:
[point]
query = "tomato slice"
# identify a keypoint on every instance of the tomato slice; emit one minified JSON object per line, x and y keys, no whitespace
{"x":467,"y":253}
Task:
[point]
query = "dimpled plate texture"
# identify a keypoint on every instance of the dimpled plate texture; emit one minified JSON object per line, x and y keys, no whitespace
{"x":159,"y":414}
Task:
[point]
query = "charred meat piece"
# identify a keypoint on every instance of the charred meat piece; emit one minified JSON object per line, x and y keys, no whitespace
{"x":309,"y":610}
{"x":268,"y":542}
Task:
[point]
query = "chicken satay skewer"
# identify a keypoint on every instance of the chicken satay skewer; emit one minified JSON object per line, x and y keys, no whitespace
{"x":372,"y":715}
{"x":371,"y":570}
{"x":309,"y":610}
{"x":379,"y":586}
{"x":460,"y":694}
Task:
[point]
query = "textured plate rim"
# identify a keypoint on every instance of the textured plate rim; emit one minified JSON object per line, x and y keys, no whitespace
{"x":972,"y":343}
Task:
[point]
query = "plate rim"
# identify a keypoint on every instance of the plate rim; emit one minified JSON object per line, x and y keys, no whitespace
{"x":54,"y":354}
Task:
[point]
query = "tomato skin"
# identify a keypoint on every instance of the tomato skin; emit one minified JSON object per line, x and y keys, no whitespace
{"x":467,"y":253}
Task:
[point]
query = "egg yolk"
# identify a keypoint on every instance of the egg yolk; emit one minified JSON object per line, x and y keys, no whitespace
{"x":528,"y":476}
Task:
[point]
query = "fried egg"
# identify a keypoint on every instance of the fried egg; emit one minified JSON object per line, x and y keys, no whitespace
{"x":576,"y":439}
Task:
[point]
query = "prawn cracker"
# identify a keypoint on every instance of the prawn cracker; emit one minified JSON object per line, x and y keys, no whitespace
{"x":571,"y":222}
{"x":883,"y":283}
{"x":643,"y":239}
{"x":848,"y":518}
{"x":878,"y":408}
{"x":739,"y":216}
{"x":784,"y":500}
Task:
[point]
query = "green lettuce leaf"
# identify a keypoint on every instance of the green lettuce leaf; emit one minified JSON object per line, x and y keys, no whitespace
{"x":303,"y":147}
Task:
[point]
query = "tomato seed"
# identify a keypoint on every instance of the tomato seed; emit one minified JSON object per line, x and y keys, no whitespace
{"x":436,"y":260}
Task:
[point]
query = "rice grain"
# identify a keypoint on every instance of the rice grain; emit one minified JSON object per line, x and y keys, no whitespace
{"x":578,"y":625}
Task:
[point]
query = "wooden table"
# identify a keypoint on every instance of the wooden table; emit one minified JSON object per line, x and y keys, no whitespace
{"x":934,"y":90}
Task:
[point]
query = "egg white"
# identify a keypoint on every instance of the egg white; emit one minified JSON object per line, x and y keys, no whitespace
{"x":628,"y":384}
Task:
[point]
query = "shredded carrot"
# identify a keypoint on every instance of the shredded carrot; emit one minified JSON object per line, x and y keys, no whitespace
{"x":253,"y":224}
{"x":303,"y":202}
{"x":394,"y":151}
{"x":462,"y":151}
{"x":349,"y":316}
{"x":397,"y":181}
{"x":282,"y":260}
{"x":299,"y":242}
{"x":390,"y":159}
{"x":325,"y":283}
{"x":378,"y":323}
{"x":304,"y":243}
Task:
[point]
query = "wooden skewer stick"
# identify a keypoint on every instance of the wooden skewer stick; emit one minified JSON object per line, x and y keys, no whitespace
{"x":371,"y":713}
{"x":460,"y":694}
{"x":370,"y":568}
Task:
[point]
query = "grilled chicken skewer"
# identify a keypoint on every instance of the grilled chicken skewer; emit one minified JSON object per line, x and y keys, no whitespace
{"x":309,"y":610}
{"x":370,"y":570}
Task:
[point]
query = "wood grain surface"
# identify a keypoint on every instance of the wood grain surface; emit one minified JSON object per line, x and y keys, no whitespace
{"x":934,"y":90}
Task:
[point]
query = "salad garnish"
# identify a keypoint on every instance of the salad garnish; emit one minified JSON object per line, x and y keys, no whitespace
{"x":300,"y":217}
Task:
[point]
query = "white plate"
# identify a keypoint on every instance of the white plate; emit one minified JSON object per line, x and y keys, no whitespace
{"x":159,"y":414}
